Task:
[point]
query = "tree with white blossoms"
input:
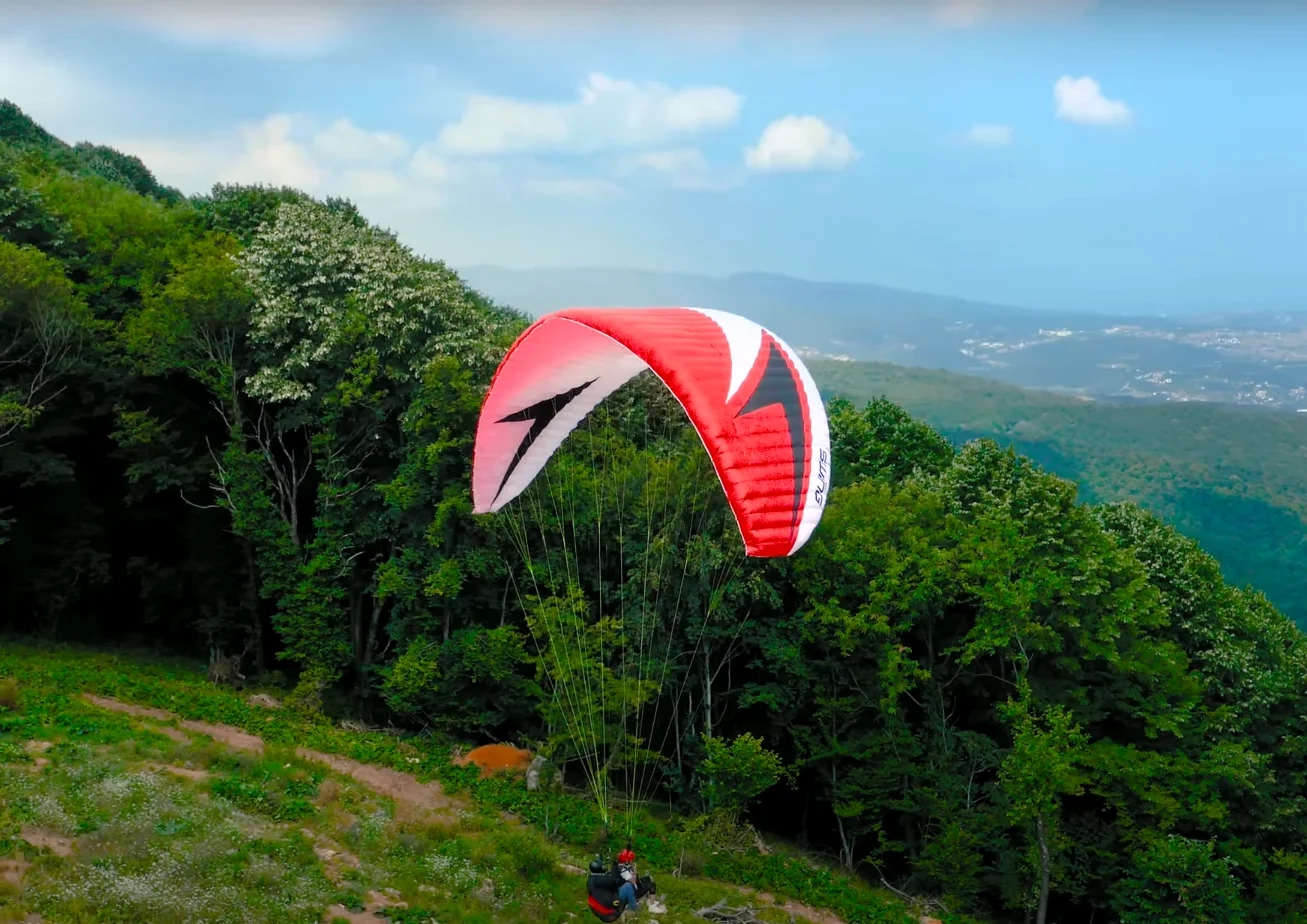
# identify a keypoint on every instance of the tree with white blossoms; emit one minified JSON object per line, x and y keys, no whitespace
{"x":344,"y":324}
{"x":328,"y":286}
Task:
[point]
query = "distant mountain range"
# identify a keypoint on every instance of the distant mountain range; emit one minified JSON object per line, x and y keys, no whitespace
{"x":1246,"y":358}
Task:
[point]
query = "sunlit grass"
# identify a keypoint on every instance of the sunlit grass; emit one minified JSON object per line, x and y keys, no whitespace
{"x":163,"y":825}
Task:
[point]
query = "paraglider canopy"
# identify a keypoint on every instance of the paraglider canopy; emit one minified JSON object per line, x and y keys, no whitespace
{"x":748,"y":396}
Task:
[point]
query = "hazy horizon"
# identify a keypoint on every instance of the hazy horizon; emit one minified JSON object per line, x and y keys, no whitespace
{"x":1107,"y":311}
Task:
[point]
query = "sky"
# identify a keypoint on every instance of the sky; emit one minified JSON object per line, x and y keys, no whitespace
{"x":1102,"y":155}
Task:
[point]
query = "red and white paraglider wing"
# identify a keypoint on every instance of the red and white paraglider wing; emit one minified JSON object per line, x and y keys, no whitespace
{"x":752,"y":401}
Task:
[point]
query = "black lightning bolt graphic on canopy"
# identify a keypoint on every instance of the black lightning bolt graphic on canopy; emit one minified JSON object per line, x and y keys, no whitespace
{"x":779,"y":386}
{"x":541,"y":414}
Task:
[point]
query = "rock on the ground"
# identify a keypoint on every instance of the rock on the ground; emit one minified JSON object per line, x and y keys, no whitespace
{"x":533,"y":773}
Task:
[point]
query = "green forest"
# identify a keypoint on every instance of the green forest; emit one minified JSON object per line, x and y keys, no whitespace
{"x":242,"y":423}
{"x":1233,"y":478}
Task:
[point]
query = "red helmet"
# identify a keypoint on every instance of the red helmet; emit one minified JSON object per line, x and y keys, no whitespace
{"x":626,"y":856}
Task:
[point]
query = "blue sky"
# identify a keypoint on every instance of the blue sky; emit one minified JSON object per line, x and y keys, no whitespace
{"x":1142,"y":156}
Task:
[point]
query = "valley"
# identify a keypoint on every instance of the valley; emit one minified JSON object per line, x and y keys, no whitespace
{"x":1245,"y":358}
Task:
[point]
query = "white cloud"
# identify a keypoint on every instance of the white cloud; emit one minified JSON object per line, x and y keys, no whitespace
{"x":371,"y":169}
{"x":574,"y":187}
{"x":280,"y":27}
{"x":262,"y":152}
{"x":682,"y":164}
{"x":1080,"y":99}
{"x":495,"y":124}
{"x":608,"y":113}
{"x":345,"y":142}
{"x":800,"y":143}
{"x":987,"y":135}
{"x":272,"y":156}
{"x":428,"y":164}
{"x":680,"y":168}
{"x":62,"y":100}
{"x":370,"y":184}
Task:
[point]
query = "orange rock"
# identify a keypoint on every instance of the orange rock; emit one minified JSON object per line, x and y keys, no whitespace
{"x":496,"y":758}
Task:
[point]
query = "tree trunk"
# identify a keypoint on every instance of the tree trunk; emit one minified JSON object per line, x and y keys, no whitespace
{"x":676,"y":724}
{"x":846,"y":844}
{"x":251,"y":594}
{"x":374,"y":625}
{"x":369,"y":651}
{"x":293,"y":502}
{"x":846,"y":840}
{"x":1041,"y":914}
{"x":356,"y":622}
{"x":707,"y":697}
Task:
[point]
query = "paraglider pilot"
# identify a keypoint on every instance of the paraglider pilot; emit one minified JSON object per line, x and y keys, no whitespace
{"x":609,"y":893}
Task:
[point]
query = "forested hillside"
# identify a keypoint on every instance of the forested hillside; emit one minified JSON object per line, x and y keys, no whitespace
{"x":243,"y":422}
{"x":1233,"y":478}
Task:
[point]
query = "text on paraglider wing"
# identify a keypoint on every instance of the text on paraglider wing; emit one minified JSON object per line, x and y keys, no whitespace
{"x":820,"y":494}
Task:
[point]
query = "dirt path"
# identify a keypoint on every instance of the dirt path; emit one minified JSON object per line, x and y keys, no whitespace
{"x":48,"y":840}
{"x":792,"y":908}
{"x":12,"y":871}
{"x":189,"y":773}
{"x":408,"y":793}
{"x":372,"y":911}
{"x":227,"y":734}
{"x":414,"y":801}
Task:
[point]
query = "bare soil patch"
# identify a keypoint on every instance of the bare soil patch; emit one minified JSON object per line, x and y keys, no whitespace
{"x":376,"y":902}
{"x":416,"y":799}
{"x":226,"y":734}
{"x":34,"y":750}
{"x":190,"y":773}
{"x":13,"y":871}
{"x":141,"y":712}
{"x":793,"y":908}
{"x":335,"y":859}
{"x":810,"y":914}
{"x":48,"y":840}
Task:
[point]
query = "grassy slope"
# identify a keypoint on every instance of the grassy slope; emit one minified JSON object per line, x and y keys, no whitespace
{"x":1233,"y":478}
{"x":166,"y":824}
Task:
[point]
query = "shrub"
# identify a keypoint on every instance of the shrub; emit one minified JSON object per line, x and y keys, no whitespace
{"x":1181,"y":880}
{"x":738,"y":772}
{"x":8,"y":694}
